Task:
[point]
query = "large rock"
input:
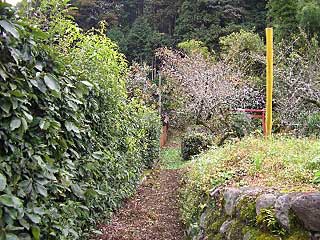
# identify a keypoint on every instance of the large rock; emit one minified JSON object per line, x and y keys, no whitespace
{"x":265,"y":201}
{"x":307,"y":209}
{"x":252,"y":191}
{"x":282,"y":207}
{"x":203,"y":218}
{"x":231,"y":196}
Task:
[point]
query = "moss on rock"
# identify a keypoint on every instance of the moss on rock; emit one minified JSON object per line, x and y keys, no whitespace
{"x":246,"y":209}
{"x":218,"y":236}
{"x":299,"y":235}
{"x":214,"y":221}
{"x":235,"y":231}
{"x":251,"y":233}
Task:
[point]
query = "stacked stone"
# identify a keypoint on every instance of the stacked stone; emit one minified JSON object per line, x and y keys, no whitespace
{"x":253,"y":213}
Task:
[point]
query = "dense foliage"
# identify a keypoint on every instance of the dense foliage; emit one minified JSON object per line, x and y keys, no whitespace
{"x":287,"y":16}
{"x":194,"y":143}
{"x":73,"y":145}
{"x":141,"y":26}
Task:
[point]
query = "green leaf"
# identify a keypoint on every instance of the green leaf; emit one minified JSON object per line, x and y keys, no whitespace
{"x":39,"y":211}
{"x":11,"y":236}
{"x":101,"y":193}
{"x":39,"y":84}
{"x":14,"y":103}
{"x":24,"y":223}
{"x":35,"y":232}
{"x":6,"y":200}
{"x":9,"y":27}
{"x":41,"y":189}
{"x":3,"y":74}
{"x":51,"y":82}
{"x":71,"y":127}
{"x":5,"y":106}
{"x":15,"y":123}
{"x":97,"y":232}
{"x":28,"y":116}
{"x":77,"y":190}
{"x":34,"y":218}
{"x":10,"y":201}
{"x":3,"y":182}
{"x":12,"y":228}
{"x":39,"y":66}
{"x":44,"y":124}
{"x":86,"y":83}
{"x":24,"y":124}
{"x":26,"y":186}
{"x":17,"y":93}
{"x":13,"y":213}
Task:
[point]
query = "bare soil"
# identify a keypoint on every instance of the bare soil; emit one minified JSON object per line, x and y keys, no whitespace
{"x":152,"y":214}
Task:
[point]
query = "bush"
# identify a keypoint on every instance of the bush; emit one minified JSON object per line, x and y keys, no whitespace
{"x":242,"y":125}
{"x":193,"y":144}
{"x":73,"y":146}
{"x":313,"y":125}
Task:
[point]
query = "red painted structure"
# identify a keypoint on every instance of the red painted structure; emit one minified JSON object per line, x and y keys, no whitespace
{"x":256,"y":114}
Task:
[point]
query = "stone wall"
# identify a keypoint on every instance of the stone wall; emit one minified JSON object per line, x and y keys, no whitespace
{"x":258,"y":214}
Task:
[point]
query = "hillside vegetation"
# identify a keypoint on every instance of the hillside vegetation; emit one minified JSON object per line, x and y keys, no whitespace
{"x":283,"y":163}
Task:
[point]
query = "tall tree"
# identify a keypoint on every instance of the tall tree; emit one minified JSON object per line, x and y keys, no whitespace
{"x":170,"y":21}
{"x":162,"y":14}
{"x":90,"y":12}
{"x":142,"y":40}
{"x":282,"y":16}
{"x":309,"y":17}
{"x":209,"y":20}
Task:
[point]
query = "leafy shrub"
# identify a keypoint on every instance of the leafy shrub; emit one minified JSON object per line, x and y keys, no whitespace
{"x":195,"y":47}
{"x":240,"y":50}
{"x":242,"y":125}
{"x":72,"y":144}
{"x":313,"y":125}
{"x":193,"y":144}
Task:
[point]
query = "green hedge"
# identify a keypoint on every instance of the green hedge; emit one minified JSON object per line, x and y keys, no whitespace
{"x":72,"y":145}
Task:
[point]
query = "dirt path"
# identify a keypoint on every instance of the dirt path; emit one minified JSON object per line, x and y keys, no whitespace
{"x":153,"y":214}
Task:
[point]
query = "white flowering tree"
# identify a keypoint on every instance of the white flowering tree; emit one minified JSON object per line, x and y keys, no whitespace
{"x":210,"y":90}
{"x":297,"y":79}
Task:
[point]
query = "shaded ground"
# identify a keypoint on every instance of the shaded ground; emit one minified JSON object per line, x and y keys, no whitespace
{"x":153,"y":214}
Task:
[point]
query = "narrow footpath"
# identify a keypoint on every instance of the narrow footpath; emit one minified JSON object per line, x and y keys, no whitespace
{"x":152,"y":214}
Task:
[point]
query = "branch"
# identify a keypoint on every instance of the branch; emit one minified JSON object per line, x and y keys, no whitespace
{"x":313,"y":101}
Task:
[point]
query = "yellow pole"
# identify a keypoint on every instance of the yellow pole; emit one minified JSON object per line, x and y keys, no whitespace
{"x":269,"y":32}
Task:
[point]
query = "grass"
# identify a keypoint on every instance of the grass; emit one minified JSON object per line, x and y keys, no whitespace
{"x":285,"y":163}
{"x":171,"y":158}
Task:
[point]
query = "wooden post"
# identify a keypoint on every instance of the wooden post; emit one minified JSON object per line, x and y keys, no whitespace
{"x":269,"y":33}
